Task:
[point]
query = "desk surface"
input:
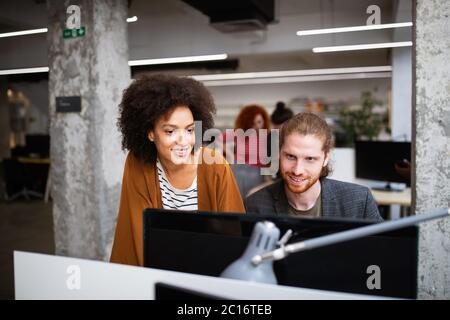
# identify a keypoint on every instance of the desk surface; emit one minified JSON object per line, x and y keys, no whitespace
{"x":39,"y":276}
{"x":393,"y":197}
{"x":34,"y":160}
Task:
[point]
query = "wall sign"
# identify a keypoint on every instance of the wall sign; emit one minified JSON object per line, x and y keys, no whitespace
{"x":68,"y":104}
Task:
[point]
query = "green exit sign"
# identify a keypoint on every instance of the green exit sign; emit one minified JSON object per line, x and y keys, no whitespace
{"x":74,"y":33}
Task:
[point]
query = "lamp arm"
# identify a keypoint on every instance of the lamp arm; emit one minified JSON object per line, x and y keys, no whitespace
{"x":284,"y":251}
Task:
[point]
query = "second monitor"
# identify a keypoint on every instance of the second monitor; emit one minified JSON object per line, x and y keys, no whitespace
{"x":388,"y":161}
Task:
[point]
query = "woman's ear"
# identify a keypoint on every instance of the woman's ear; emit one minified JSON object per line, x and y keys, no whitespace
{"x":151,"y":136}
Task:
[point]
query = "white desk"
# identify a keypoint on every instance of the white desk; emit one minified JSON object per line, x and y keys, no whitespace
{"x":39,"y":276}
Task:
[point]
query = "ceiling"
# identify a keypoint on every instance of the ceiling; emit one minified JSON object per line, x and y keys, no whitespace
{"x":167,"y":28}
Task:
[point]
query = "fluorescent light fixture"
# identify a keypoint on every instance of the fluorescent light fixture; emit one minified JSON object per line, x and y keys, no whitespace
{"x":363,"y":46}
{"x":23,"y":70}
{"x":130,"y":63}
{"x":23,"y":32}
{"x":290,"y":76}
{"x":311,"y":78}
{"x":290,"y":73}
{"x":43,"y":30}
{"x":268,"y":76}
{"x":177,"y":60}
{"x":132,"y":19}
{"x":355,"y":28}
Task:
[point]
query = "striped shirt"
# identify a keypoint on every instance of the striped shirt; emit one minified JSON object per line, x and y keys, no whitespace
{"x":173,"y":198}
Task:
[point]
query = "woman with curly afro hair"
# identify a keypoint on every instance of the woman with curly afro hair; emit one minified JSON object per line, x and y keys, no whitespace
{"x":157,"y":119}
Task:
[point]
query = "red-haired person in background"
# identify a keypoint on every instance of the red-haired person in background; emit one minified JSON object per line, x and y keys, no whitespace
{"x":245,"y":147}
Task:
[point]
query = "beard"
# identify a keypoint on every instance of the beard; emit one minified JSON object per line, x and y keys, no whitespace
{"x":299,"y":184}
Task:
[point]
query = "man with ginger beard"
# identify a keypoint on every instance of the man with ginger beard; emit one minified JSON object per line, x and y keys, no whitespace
{"x":304,"y":190}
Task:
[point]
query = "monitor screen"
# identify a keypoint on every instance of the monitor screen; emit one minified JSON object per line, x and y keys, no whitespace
{"x":38,"y":144}
{"x":383,"y":161}
{"x":206,"y":243}
{"x":165,"y":291}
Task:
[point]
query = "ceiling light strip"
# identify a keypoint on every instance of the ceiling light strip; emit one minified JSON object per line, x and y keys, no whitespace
{"x":132,"y":19}
{"x":251,"y":75}
{"x":289,"y":73}
{"x":43,"y":30}
{"x":363,"y":46}
{"x":237,"y":82}
{"x":354,"y":28}
{"x":210,"y":57}
{"x":130,"y":63}
{"x":23,"y":70}
{"x":23,"y":32}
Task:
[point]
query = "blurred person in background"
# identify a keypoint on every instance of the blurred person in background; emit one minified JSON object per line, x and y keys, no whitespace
{"x":279,"y":116}
{"x":245,"y":147}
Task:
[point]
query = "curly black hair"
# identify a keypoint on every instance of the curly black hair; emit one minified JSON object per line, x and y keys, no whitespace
{"x":150,"y":97}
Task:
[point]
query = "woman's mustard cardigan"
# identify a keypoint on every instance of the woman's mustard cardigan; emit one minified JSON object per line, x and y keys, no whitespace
{"x":217,"y":191}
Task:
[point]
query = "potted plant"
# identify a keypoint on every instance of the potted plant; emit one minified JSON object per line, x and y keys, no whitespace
{"x":362,"y":122}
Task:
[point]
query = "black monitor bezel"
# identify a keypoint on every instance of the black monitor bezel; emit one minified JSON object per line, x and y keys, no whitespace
{"x":372,"y":173}
{"x":321,"y":226}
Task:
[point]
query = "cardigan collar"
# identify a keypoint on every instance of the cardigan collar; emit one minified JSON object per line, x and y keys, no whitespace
{"x":154,"y":190}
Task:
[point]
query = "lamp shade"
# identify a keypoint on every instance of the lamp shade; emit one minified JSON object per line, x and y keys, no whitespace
{"x":264,"y":238}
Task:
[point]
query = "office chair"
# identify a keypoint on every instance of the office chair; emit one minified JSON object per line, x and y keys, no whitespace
{"x":19,"y":180}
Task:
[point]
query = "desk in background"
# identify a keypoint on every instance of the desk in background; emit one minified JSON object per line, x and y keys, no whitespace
{"x":402,"y":198}
{"x":34,"y":160}
{"x":388,"y":198}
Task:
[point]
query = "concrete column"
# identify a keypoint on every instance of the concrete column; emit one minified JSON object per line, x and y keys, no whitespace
{"x":87,"y":160}
{"x":432,"y":143}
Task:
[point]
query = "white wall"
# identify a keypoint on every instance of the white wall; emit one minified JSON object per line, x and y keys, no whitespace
{"x":402,"y":76}
{"x":343,"y":164}
{"x":229,"y":99}
{"x":401,"y":94}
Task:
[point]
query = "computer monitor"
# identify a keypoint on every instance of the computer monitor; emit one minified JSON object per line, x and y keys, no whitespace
{"x":38,"y":144}
{"x":388,"y":161}
{"x":166,"y":291}
{"x":206,"y":243}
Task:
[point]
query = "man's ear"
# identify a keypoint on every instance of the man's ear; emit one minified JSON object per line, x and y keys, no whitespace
{"x":327,"y":159}
{"x":151,"y":136}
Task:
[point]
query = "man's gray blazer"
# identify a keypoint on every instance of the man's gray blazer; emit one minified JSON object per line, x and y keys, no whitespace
{"x":339,"y":200}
